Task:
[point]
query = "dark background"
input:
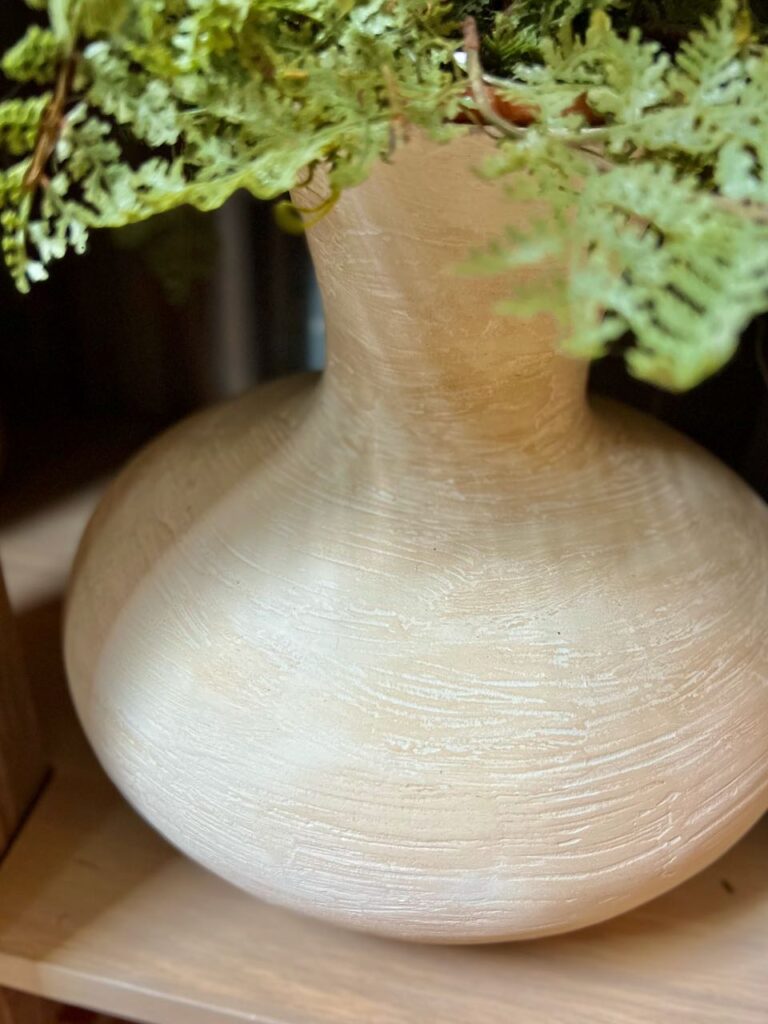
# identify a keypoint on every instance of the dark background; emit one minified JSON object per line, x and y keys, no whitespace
{"x":155,"y":322}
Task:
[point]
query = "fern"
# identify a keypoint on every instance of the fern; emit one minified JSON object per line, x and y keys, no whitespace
{"x":19,"y":123}
{"x":681,"y":274}
{"x":650,"y":141}
{"x":665,"y":243}
{"x":34,"y":58}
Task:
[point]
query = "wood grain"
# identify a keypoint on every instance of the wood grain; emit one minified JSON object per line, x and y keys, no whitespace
{"x":21,"y":1008}
{"x":22,"y":761}
{"x":95,"y":908}
{"x":430,"y":647}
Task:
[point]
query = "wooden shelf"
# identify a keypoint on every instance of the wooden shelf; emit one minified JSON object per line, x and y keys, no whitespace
{"x":97,"y":910}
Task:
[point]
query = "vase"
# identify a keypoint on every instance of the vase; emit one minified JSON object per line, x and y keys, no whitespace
{"x":429,"y":645}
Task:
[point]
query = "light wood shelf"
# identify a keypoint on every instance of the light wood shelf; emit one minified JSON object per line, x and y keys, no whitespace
{"x":97,"y":910}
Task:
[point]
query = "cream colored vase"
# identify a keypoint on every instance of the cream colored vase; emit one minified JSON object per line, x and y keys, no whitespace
{"x":429,"y":646}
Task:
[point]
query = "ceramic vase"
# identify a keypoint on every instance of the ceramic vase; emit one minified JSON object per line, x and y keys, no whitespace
{"x":428,"y":645}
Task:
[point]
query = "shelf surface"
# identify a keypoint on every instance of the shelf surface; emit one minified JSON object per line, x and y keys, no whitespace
{"x":97,"y":910}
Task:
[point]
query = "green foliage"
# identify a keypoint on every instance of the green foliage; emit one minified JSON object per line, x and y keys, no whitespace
{"x":19,"y":123}
{"x":185,"y":102}
{"x":650,"y":145}
{"x":34,"y":58}
{"x":661,"y":213}
{"x":682,"y":274}
{"x":650,"y":254}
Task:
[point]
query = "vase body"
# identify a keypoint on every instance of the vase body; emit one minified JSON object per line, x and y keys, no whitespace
{"x":427,"y":646}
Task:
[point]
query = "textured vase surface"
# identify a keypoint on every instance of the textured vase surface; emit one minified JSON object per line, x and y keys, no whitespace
{"x":429,"y":646}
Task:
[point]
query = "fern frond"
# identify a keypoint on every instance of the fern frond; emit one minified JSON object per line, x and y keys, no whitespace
{"x":649,"y":146}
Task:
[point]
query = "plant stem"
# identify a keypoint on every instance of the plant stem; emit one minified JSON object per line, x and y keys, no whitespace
{"x":50,"y":125}
{"x":477,"y":83}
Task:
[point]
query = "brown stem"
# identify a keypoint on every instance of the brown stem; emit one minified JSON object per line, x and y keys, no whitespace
{"x":756,"y":212}
{"x":477,"y":84}
{"x":50,"y":125}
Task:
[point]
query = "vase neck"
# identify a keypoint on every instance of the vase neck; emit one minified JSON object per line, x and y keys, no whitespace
{"x":420,"y":347}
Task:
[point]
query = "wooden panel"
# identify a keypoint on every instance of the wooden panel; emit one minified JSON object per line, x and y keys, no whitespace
{"x":22,"y":764}
{"x":20,"y":1008}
